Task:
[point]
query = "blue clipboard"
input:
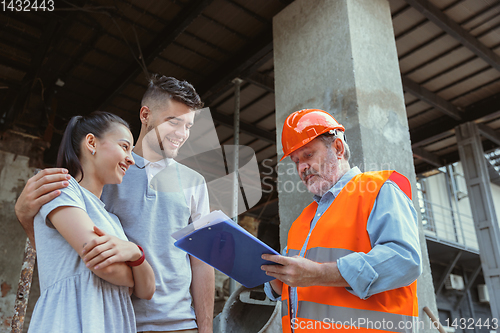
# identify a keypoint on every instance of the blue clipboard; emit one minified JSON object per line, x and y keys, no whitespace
{"x":230,"y":249}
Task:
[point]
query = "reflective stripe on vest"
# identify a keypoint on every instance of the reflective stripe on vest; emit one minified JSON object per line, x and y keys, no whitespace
{"x":324,"y":254}
{"x":355,"y":317}
{"x":284,"y":308}
{"x":321,"y":254}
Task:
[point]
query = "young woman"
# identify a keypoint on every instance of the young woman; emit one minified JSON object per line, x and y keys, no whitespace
{"x":79,"y":291}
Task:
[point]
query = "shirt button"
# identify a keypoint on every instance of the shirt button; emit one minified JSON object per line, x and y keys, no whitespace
{"x":318,"y":214}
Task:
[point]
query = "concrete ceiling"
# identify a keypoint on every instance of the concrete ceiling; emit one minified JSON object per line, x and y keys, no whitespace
{"x":449,"y":54}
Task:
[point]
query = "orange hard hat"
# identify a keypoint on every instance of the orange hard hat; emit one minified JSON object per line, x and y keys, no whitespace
{"x":301,"y":127}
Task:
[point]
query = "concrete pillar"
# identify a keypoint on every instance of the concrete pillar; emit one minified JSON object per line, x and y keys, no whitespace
{"x":19,"y":155}
{"x":477,"y":178}
{"x":340,"y":56}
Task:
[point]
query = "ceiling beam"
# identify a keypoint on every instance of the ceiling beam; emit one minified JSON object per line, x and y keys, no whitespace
{"x":428,"y":157}
{"x":39,"y":55}
{"x":435,"y":15}
{"x":53,"y":71}
{"x":15,"y":30}
{"x":479,"y":112}
{"x":263,"y":81}
{"x":244,"y":73}
{"x":468,"y":286}
{"x":164,"y":38}
{"x":447,"y":272}
{"x":494,"y":174}
{"x":431,"y":98}
{"x":451,"y":158}
{"x":6,"y":83}
{"x":249,"y":12}
{"x":19,"y":102}
{"x":256,"y":132}
{"x":489,"y":133}
{"x":14,"y":64}
{"x":242,"y":64}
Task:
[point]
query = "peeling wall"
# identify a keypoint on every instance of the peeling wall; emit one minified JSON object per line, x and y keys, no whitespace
{"x":15,"y":169}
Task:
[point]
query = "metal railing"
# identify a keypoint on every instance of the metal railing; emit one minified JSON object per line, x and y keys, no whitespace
{"x":449,"y":226}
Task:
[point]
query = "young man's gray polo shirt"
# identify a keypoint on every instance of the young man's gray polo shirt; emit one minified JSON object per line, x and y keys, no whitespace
{"x":150,"y":213}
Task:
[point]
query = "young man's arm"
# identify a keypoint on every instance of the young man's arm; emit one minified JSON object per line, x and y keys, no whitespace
{"x":40,"y":189}
{"x":203,"y":276}
{"x":203,"y":292}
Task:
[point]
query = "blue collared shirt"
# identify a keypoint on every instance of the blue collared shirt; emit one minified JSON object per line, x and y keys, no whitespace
{"x":392,"y":226}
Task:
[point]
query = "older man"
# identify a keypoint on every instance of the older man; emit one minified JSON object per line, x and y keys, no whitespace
{"x":353,"y":255}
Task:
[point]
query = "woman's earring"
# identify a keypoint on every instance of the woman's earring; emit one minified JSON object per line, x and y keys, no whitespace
{"x":93,"y":151}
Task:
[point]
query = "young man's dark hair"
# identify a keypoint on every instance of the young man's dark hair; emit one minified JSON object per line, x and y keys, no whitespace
{"x":161,"y":87}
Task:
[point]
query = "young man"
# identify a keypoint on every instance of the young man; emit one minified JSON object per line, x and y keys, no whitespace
{"x":353,"y":255}
{"x":157,"y":197}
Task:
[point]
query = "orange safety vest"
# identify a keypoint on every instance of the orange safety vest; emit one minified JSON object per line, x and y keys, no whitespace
{"x":340,"y":231}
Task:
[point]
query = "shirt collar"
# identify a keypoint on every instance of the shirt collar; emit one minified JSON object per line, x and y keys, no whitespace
{"x":161,"y":163}
{"x":335,"y":190}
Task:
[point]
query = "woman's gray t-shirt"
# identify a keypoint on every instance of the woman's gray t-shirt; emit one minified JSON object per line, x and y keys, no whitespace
{"x":72,"y":298}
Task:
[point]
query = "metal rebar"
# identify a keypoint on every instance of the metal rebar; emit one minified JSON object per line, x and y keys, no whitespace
{"x":236,"y":141}
{"x":236,"y":188}
{"x":23,"y":288}
{"x":434,"y":320}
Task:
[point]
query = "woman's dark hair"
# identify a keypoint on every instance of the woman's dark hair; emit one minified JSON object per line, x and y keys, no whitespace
{"x":97,"y":123}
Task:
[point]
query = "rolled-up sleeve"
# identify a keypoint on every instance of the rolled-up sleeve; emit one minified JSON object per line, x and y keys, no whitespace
{"x":395,"y":258}
{"x":270,"y":292}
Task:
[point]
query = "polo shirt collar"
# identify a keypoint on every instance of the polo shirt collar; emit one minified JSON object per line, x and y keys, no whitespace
{"x":335,"y":190}
{"x":142,"y":162}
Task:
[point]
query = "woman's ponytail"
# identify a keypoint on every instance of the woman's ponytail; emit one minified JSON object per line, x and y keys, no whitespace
{"x":68,"y":155}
